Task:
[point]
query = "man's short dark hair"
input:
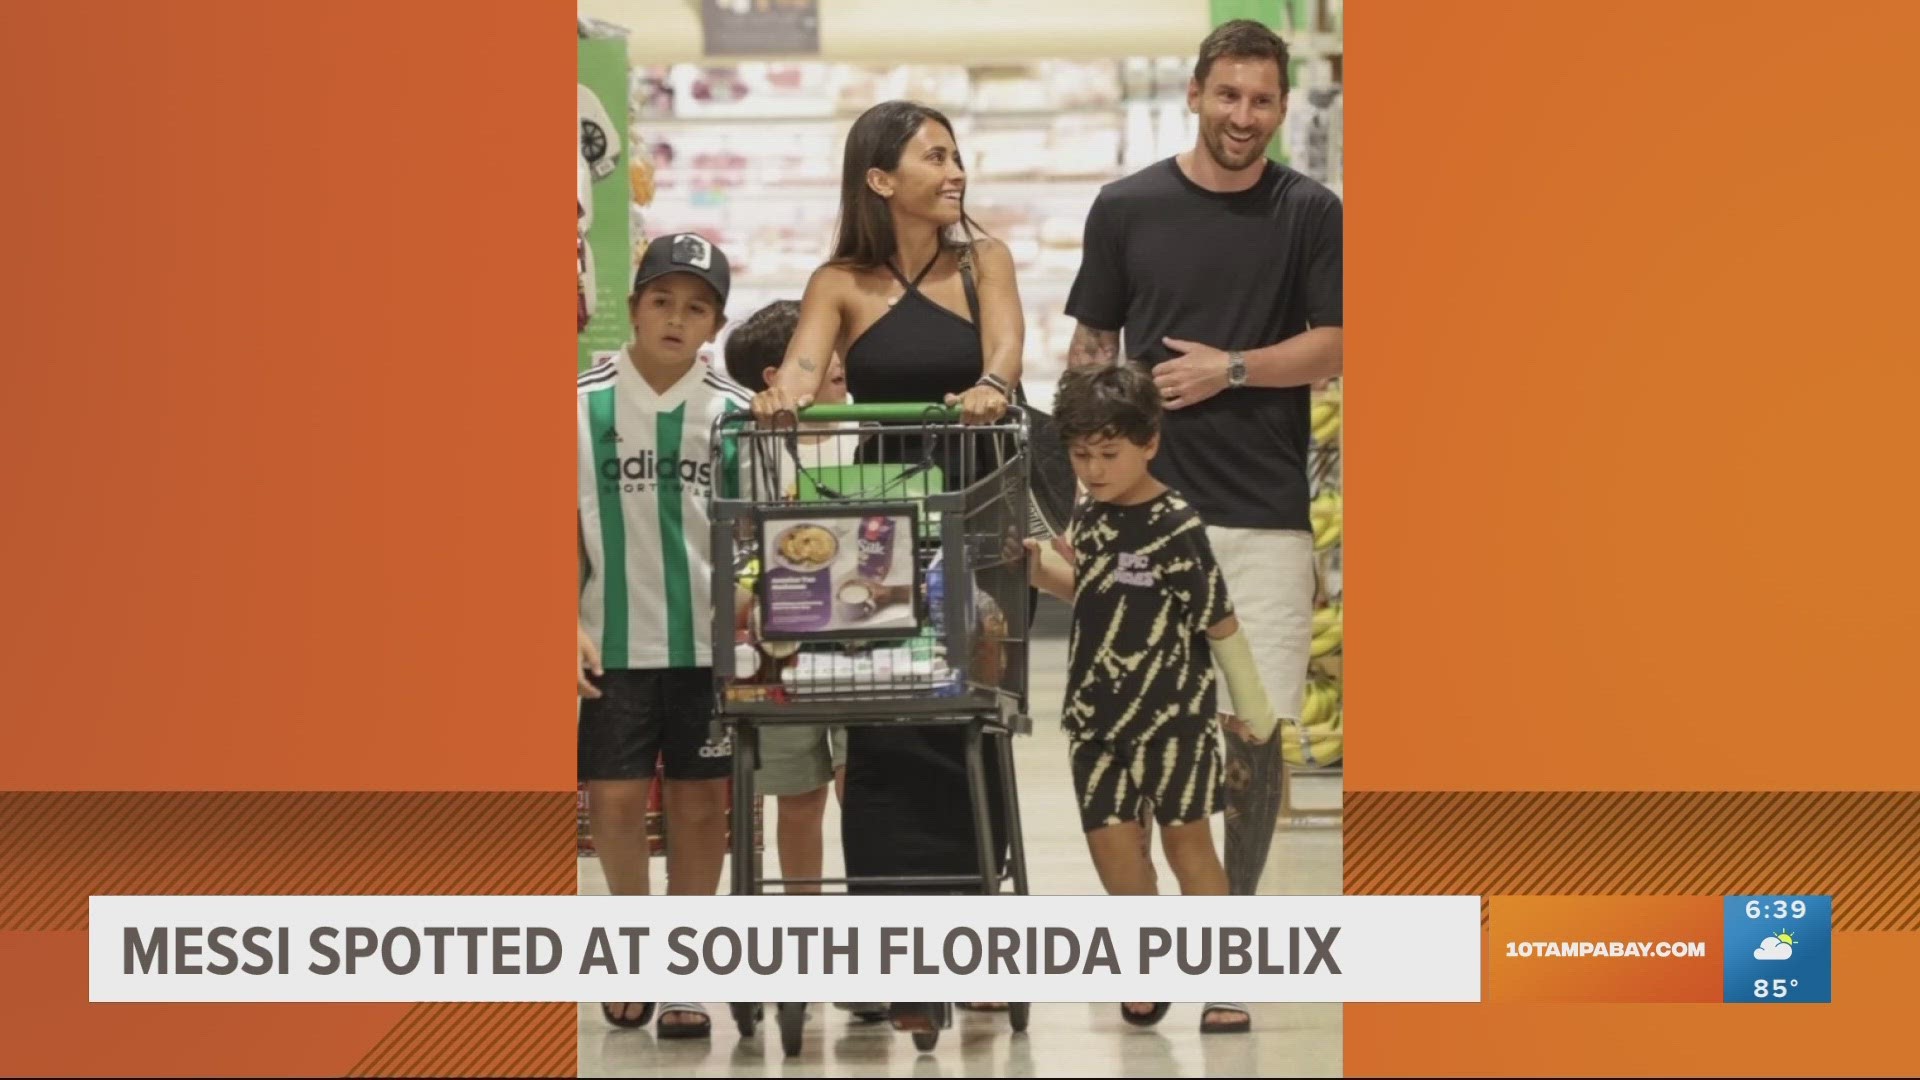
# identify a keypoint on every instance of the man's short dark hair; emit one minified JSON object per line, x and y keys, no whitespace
{"x":1114,"y":401}
{"x":761,"y":342}
{"x":1241,"y":39}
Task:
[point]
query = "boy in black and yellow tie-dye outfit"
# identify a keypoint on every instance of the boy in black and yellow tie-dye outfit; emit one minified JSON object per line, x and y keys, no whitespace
{"x":1150,"y":618}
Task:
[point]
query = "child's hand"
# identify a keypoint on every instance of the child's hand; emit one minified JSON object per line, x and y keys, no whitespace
{"x":1065,"y":549}
{"x":589,"y":661}
{"x":1051,"y":575}
{"x":1036,"y":559}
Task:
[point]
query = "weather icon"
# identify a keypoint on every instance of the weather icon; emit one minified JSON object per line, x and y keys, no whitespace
{"x":1777,"y":947}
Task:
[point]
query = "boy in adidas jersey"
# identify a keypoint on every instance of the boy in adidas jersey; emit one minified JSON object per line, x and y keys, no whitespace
{"x":646,"y":470}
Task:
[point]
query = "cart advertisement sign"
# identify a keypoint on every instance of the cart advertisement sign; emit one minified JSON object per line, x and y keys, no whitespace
{"x":850,"y":574}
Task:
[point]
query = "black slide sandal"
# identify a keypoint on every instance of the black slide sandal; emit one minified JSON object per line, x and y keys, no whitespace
{"x":645,"y":1017}
{"x":698,"y":1029}
{"x":1225,"y":1027}
{"x":1147,"y":1019}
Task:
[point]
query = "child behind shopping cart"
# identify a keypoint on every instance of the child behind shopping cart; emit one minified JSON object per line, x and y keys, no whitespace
{"x":1150,"y":617}
{"x":797,"y":761}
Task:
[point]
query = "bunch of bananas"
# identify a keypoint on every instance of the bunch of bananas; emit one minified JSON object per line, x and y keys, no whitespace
{"x":1328,"y":629}
{"x":1316,"y":739}
{"x":1326,"y":416}
{"x":1326,"y":513}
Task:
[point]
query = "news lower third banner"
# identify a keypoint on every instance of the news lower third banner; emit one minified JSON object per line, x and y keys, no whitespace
{"x":784,"y":948}
{"x":1762,"y":949}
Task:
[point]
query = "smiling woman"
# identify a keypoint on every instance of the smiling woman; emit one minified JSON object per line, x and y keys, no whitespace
{"x":922,"y":309}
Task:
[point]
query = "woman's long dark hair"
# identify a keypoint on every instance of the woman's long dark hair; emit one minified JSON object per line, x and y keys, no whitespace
{"x":865,"y":237}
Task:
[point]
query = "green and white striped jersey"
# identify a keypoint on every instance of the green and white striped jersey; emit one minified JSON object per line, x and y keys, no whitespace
{"x":646,"y":471}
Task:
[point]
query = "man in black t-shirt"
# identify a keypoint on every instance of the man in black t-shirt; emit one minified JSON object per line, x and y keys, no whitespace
{"x":1223,"y":270}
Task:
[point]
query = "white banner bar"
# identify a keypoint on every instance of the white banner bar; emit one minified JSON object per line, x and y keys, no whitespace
{"x":785,"y":948}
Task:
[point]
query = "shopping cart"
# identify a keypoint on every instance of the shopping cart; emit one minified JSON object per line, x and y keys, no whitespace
{"x":882,"y":547}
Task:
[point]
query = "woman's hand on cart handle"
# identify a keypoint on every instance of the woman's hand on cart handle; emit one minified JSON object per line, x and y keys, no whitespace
{"x":589,"y":662}
{"x":981,"y":404}
{"x":773,"y":403}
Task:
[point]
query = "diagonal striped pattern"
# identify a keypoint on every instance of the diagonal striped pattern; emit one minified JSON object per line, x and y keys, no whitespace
{"x":60,"y":847}
{"x":478,"y":1039}
{"x":1857,"y":847}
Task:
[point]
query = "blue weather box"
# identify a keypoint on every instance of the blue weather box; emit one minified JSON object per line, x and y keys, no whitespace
{"x":1779,"y":949}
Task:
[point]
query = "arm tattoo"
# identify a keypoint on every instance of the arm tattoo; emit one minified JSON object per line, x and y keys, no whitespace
{"x":1092,"y":348}
{"x":806,"y":365}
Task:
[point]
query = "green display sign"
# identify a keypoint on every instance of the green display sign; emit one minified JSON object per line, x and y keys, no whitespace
{"x":604,"y":156}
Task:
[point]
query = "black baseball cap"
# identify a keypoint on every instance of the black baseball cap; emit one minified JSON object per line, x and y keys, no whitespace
{"x":685,"y":253}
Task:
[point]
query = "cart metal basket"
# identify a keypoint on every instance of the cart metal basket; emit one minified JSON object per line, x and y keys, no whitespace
{"x":870,"y":570}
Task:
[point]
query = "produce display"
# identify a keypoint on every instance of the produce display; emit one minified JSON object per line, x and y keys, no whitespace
{"x":1316,"y":740}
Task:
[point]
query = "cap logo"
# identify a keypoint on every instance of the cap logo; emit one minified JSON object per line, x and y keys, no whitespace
{"x":691,"y":250}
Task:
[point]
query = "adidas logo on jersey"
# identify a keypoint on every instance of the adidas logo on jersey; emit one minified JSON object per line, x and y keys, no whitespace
{"x":646,"y":465}
{"x":611,"y":436}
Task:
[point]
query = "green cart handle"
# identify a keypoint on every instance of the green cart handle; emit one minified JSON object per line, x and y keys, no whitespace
{"x":880,"y":413}
{"x":907,"y":413}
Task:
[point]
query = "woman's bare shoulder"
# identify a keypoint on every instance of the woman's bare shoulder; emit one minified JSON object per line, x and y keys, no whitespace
{"x":835,"y":276}
{"x":992,"y":256}
{"x":991,"y":247}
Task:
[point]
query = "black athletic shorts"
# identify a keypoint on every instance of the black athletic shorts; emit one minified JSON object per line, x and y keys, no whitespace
{"x":1178,"y":775}
{"x":643,"y":713}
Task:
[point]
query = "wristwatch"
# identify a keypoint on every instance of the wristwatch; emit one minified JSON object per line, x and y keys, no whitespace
{"x":1236,"y":369}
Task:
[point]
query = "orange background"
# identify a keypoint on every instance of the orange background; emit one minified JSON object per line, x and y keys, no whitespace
{"x":1627,"y":445}
{"x":282,"y":292}
{"x":1651,"y":919}
{"x":283,"y":282}
{"x":1632,"y":381}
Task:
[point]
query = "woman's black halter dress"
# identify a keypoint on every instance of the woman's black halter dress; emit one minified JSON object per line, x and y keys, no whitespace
{"x":906,"y":809}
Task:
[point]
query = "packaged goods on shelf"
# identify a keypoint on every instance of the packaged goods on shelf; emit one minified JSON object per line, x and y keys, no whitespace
{"x":749,"y":155}
{"x":752,"y":90}
{"x":1014,"y":88}
{"x":946,"y":87}
{"x":1083,"y":85}
{"x":1314,"y":133}
{"x":1085,"y":145}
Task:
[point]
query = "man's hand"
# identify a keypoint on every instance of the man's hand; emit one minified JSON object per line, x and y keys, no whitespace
{"x":1241,"y":731}
{"x":589,"y":661}
{"x":1196,"y":374}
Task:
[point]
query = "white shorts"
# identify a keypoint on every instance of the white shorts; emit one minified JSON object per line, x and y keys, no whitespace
{"x":1270,"y":579}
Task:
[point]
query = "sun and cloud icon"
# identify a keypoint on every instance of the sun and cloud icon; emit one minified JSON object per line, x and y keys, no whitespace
{"x":1777,"y":947}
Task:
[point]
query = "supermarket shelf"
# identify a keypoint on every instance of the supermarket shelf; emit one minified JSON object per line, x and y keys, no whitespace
{"x":671,"y":124}
{"x":984,"y":187}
